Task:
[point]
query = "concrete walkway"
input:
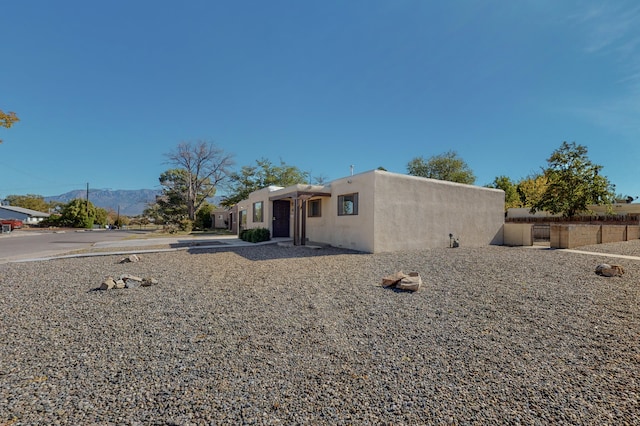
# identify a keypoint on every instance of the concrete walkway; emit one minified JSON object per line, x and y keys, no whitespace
{"x":199,"y":240}
{"x":594,"y":253}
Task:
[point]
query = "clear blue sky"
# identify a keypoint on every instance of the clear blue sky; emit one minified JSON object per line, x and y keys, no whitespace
{"x":104,"y":89}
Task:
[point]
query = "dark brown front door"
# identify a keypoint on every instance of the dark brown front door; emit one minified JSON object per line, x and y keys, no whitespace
{"x":281,"y":210}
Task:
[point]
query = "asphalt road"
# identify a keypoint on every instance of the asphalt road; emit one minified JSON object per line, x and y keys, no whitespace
{"x":24,"y":244}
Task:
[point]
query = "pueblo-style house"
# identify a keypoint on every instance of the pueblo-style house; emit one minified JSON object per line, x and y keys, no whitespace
{"x":377,"y":211}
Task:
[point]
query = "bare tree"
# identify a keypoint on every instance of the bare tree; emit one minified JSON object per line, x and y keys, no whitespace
{"x":205,"y":167}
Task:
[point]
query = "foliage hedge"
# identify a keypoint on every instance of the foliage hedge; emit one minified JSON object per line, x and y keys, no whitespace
{"x":255,"y":235}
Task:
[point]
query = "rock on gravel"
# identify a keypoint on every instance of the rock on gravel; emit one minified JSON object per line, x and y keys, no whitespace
{"x":286,"y":335}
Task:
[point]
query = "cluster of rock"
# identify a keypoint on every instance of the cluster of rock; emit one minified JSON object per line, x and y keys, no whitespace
{"x":402,"y":281}
{"x":606,"y":270}
{"x":126,"y":281}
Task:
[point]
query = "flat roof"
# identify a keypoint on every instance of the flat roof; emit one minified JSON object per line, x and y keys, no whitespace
{"x":300,"y":191}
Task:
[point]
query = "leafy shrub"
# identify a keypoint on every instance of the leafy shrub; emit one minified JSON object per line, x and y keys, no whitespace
{"x":255,"y":235}
{"x":170,"y":228}
{"x":261,"y":234}
{"x":186,"y":225}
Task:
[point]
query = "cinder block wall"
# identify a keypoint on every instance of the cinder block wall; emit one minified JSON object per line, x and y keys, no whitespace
{"x":614,"y":233}
{"x":571,"y":236}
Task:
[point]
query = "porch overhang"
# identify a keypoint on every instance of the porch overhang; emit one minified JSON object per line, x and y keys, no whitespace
{"x":300,"y":192}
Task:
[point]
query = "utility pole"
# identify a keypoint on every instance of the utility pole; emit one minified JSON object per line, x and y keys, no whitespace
{"x":87,"y":199}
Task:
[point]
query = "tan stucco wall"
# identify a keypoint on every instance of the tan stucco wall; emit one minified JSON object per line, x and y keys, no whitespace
{"x":257,"y":196}
{"x":353,"y":232}
{"x":413,"y":213}
{"x":319,"y":228}
{"x":218,"y":218}
{"x":518,"y":234}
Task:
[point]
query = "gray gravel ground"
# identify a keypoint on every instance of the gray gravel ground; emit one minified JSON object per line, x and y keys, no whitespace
{"x":277,"y":335}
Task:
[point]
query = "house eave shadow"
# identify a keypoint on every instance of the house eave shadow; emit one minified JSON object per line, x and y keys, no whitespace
{"x":272,"y":251}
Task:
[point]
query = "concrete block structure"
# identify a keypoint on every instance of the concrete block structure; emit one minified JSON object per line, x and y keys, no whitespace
{"x":567,"y":236}
{"x":379,"y":211}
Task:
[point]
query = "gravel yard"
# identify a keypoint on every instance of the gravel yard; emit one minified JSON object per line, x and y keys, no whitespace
{"x":291,"y":335}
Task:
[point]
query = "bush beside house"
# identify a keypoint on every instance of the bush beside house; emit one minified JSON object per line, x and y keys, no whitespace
{"x":255,"y":235}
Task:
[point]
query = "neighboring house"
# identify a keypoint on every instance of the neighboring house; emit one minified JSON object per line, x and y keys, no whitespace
{"x":225,"y":219}
{"x":27,"y":216}
{"x":619,"y":209}
{"x":379,"y":211}
{"x":220,"y":219}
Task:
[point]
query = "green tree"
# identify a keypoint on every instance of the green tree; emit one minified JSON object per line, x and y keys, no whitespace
{"x":152,"y":213}
{"x":100,"y":216}
{"x":30,"y":201}
{"x":81,"y":213}
{"x":172,"y":205}
{"x":263,"y":174}
{"x":203,"y":217}
{"x":511,"y":197}
{"x":447,"y":166}
{"x":204,"y":166}
{"x":531,"y":189}
{"x":7,"y":119}
{"x":573,"y":182}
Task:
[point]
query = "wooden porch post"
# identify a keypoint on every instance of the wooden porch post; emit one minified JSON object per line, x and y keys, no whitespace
{"x":296,"y":220}
{"x":303,"y":230}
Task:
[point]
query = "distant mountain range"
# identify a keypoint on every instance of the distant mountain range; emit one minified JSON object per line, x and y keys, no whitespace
{"x":131,"y":202}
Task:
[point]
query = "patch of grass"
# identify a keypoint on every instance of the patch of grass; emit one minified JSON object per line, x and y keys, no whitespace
{"x":213,"y":232}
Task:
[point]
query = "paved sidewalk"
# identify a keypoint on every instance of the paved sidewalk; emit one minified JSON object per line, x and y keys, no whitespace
{"x":191,"y":240}
{"x":595,"y":253}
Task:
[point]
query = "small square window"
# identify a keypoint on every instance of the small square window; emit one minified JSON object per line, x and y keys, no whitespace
{"x":257,"y":211}
{"x":314,"y":208}
{"x":348,"y":204}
